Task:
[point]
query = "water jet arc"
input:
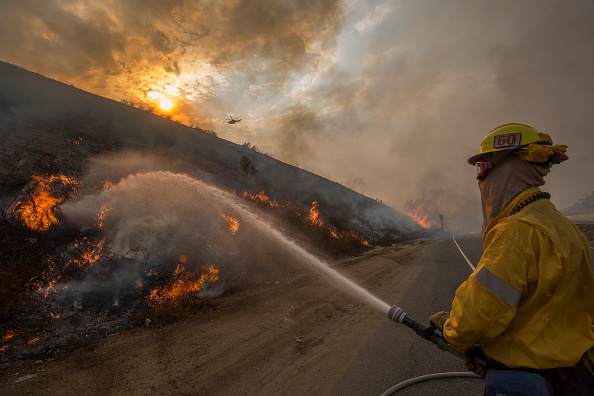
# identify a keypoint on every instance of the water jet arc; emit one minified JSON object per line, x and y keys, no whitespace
{"x":338,"y":278}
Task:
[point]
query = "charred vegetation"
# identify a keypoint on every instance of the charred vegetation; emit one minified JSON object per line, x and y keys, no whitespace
{"x":81,"y":257}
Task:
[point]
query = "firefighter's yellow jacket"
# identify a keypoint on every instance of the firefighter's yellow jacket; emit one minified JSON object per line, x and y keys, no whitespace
{"x":530,"y":301}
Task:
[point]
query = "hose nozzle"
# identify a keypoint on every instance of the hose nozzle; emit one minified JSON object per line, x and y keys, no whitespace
{"x":397,"y":314}
{"x":431,"y":334}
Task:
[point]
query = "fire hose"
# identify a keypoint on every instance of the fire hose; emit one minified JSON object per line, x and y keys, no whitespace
{"x":435,"y":336}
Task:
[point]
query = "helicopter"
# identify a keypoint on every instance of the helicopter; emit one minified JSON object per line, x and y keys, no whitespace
{"x":232,"y":120}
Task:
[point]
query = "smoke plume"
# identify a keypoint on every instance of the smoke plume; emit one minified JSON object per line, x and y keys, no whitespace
{"x":390,"y":97}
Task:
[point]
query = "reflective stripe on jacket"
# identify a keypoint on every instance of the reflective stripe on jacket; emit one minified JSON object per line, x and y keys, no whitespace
{"x":530,"y":302}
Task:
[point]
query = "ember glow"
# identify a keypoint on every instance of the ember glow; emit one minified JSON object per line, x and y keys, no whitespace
{"x":7,"y":336}
{"x":420,"y":217}
{"x":184,"y":283}
{"x":102,"y":216}
{"x":91,"y":253}
{"x":48,"y":289}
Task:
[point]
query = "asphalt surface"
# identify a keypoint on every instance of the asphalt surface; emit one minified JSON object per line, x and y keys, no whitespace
{"x":395,"y":353}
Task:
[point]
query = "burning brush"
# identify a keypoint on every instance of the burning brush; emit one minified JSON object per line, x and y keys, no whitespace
{"x":38,"y":210}
{"x":124,"y":257}
{"x":313,"y":216}
{"x":420,"y":217}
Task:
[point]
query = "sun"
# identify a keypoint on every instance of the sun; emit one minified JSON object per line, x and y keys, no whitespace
{"x":166,"y":104}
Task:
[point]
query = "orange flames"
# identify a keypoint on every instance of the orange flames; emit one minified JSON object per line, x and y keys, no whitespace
{"x":314,"y":218}
{"x":233,"y":223}
{"x":261,"y":198}
{"x":184,"y":283}
{"x":314,"y":215}
{"x":92,"y":253}
{"x":420,"y":217}
{"x":40,"y":211}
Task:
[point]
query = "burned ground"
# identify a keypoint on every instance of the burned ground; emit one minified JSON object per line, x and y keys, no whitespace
{"x":288,"y":333}
{"x":110,"y":214}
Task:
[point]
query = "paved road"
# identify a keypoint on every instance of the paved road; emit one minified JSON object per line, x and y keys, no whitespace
{"x":395,"y":353}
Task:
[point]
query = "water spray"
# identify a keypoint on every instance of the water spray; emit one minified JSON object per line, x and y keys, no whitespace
{"x":394,"y":313}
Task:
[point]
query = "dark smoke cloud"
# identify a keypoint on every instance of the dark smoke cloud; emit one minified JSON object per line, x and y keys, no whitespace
{"x":392,"y":97}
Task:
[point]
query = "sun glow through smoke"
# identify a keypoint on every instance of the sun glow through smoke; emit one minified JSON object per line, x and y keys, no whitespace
{"x":166,"y":104}
{"x":161,"y":101}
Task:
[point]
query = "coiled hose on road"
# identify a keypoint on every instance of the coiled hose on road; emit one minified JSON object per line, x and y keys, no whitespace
{"x":427,"y":377}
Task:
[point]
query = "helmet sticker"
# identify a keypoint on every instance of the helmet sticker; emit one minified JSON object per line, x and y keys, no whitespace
{"x":507,"y":140}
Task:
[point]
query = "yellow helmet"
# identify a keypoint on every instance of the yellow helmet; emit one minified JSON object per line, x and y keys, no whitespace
{"x":505,"y":137}
{"x":527,"y":142}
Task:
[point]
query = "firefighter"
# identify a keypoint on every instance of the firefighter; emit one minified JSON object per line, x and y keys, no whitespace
{"x":529,"y":305}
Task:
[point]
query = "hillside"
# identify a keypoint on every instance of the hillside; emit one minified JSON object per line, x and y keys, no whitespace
{"x":108,"y":211}
{"x":39,"y":116}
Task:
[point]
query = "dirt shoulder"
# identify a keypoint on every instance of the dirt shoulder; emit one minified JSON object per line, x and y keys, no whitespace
{"x":291,"y":336}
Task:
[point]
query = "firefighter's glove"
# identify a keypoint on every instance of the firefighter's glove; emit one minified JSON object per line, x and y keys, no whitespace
{"x":438,"y":319}
{"x":476,"y":360}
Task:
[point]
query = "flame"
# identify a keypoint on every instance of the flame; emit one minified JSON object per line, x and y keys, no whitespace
{"x":90,"y":256}
{"x":352,"y":235}
{"x":46,"y":284}
{"x":33,"y":341}
{"x":40,"y":211}
{"x":420,"y":217}
{"x":233,"y":223}
{"x":314,"y":215}
{"x":261,"y":198}
{"x":184,"y":283}
{"x":314,"y":218}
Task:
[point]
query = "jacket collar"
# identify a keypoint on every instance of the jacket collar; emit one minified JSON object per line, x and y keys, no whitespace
{"x":515,"y":202}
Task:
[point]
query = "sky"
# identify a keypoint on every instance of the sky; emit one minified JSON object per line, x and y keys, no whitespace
{"x":389,"y":98}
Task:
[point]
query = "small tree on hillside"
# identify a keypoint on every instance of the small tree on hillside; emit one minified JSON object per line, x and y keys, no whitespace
{"x":248,"y":167}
